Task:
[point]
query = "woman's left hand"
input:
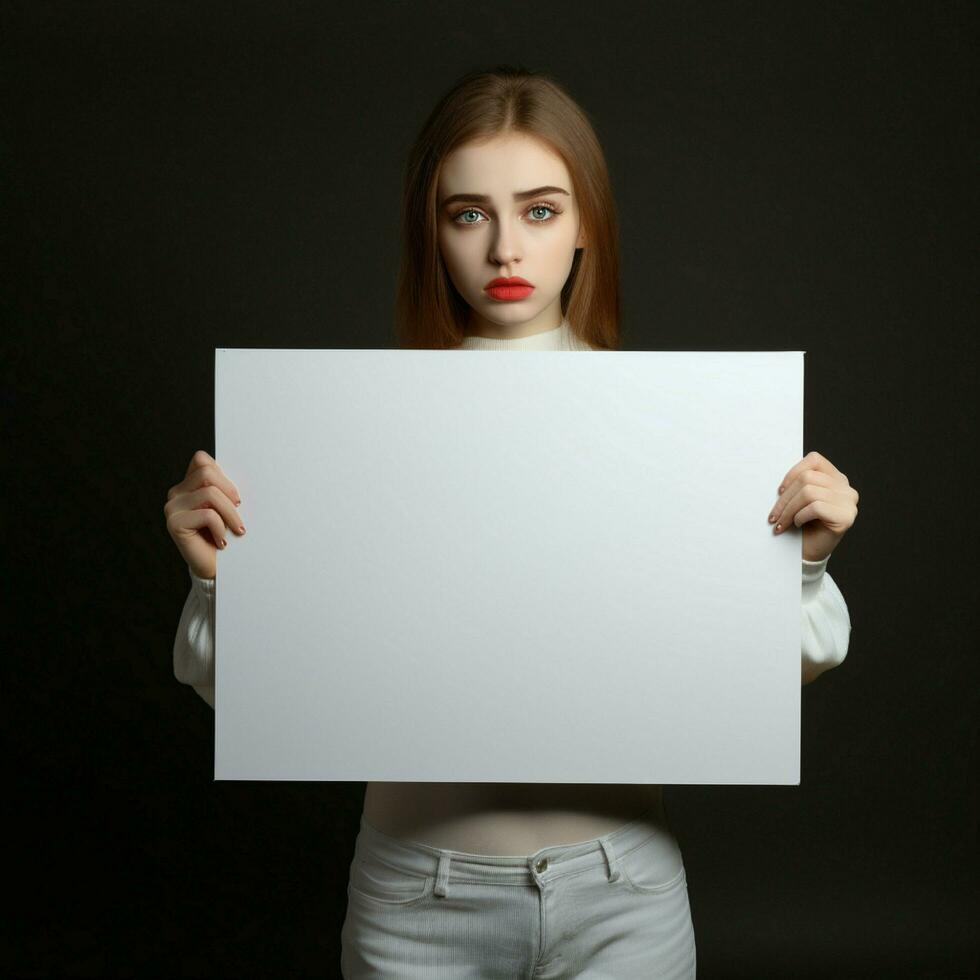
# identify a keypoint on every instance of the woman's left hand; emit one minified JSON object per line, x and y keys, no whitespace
{"x":816,"y":496}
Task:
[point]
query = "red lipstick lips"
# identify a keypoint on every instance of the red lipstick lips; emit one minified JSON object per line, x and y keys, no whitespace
{"x":508,"y":289}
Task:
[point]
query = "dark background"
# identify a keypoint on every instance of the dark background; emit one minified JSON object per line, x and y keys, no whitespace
{"x":181,"y":176}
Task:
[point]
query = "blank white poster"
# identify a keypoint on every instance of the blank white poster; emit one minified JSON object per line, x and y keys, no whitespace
{"x":508,"y":566}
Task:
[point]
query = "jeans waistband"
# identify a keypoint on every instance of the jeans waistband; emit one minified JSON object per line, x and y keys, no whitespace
{"x":414,"y":857}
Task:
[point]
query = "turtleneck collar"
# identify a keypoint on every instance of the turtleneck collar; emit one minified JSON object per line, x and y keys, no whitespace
{"x":558,"y":338}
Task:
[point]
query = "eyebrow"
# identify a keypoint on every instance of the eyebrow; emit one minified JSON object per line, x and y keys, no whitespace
{"x":518,"y":196}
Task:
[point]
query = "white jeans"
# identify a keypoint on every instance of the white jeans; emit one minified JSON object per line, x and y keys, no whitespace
{"x":612,"y":907}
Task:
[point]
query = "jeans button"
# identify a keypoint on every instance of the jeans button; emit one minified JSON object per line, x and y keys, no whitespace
{"x":542,"y":865}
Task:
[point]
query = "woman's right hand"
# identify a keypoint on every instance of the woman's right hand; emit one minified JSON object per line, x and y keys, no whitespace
{"x":199,"y":510}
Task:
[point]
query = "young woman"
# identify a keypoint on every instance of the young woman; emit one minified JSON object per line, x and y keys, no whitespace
{"x":507,"y":181}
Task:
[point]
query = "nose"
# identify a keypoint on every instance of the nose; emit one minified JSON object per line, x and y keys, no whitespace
{"x":505,"y":248}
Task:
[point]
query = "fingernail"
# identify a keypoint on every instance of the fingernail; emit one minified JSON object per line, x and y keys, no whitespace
{"x":241,"y":528}
{"x":221,"y":542}
{"x":772,"y":517}
{"x":781,"y":489}
{"x":778,"y":528}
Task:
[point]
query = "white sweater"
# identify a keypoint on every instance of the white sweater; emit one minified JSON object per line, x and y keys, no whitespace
{"x":825,"y":626}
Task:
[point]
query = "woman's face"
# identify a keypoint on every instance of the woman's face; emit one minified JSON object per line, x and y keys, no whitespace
{"x":490,"y":226}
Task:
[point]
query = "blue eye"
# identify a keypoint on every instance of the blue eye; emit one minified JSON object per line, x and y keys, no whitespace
{"x":540,"y":206}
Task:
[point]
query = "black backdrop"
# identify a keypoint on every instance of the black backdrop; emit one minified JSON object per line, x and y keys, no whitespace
{"x":181,"y":176}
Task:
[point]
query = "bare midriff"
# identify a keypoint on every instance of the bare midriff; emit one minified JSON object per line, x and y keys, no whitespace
{"x":505,"y":818}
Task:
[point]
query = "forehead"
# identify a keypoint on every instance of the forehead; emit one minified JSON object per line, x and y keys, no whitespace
{"x":502,"y":165}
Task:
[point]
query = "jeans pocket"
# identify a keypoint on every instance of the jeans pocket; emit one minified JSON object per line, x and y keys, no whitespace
{"x":381,"y":883}
{"x":655,"y":865}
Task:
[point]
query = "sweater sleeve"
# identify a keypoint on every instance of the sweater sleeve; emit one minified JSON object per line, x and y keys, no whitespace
{"x":194,"y":642}
{"x":826,"y":625}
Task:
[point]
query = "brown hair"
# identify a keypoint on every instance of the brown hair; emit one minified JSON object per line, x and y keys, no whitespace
{"x":429,"y":311}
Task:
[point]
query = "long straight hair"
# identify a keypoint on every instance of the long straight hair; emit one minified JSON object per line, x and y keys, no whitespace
{"x":429,"y":311}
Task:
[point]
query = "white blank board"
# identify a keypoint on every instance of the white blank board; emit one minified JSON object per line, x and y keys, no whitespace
{"x":508,"y":566}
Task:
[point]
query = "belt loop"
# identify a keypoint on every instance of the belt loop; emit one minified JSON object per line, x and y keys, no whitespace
{"x":442,"y":876}
{"x":611,"y":859}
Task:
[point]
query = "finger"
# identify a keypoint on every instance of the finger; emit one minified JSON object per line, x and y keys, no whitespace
{"x":211,"y":474}
{"x":183,"y":523}
{"x":816,"y":501}
{"x":807,"y":477}
{"x":208,"y":474}
{"x":836,"y":517}
{"x":200,"y":458}
{"x":812,"y":460}
{"x":216,"y":499}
